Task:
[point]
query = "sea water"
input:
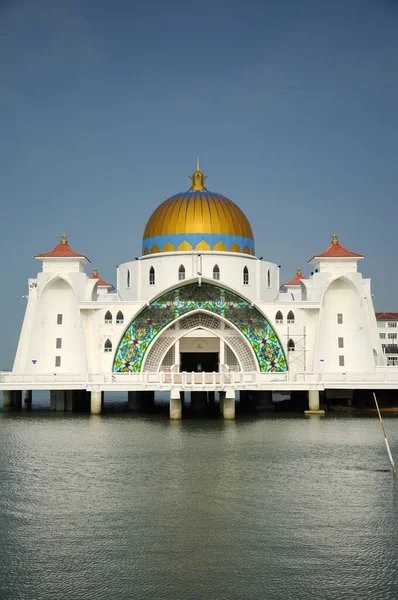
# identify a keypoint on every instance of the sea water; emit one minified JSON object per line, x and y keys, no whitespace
{"x":124,"y":507}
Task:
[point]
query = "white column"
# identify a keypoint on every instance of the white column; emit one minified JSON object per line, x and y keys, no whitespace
{"x":7,"y":399}
{"x":313,"y":400}
{"x":222,"y":352}
{"x":229,"y":405}
{"x":27,"y":396}
{"x":96,"y":403}
{"x":175,"y":405}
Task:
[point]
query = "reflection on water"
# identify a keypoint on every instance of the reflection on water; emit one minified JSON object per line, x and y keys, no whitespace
{"x":134,"y":507}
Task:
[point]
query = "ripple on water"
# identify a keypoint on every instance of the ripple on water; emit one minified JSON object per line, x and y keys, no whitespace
{"x":143,"y":508}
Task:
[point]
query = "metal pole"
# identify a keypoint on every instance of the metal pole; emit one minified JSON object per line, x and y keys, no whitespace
{"x":385,"y":438}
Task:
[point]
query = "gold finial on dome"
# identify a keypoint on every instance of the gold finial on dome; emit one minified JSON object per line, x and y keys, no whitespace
{"x":198,"y":179}
{"x":64,"y":239}
{"x":95,"y":271}
{"x":299,"y":271}
{"x":335,"y":239}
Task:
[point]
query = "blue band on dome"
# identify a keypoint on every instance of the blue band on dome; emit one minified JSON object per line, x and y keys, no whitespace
{"x":212,"y":239}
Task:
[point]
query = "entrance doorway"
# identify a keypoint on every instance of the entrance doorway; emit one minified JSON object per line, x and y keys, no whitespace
{"x":199,"y":361}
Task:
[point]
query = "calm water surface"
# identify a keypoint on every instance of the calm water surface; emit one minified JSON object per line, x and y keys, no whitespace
{"x":131,"y":507}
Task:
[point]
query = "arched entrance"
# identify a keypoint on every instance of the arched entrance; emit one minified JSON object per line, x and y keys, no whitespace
{"x":168,"y":308}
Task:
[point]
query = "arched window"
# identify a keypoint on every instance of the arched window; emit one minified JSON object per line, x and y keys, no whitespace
{"x":181,"y":273}
{"x":290,"y":316}
{"x":151,"y":276}
{"x":269,"y":278}
{"x":245,"y":276}
{"x":119,"y":318}
{"x":128,"y":278}
{"x":108,"y":346}
{"x":216,"y":272}
{"x":279,"y":317}
{"x":108,"y":317}
{"x":290,"y":345}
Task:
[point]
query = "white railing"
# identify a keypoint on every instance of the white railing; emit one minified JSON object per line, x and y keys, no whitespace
{"x":173,"y":378}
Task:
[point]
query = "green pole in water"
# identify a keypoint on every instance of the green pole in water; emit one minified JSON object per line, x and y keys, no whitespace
{"x":385,"y":438}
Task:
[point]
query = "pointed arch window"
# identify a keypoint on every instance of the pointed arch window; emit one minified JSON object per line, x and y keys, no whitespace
{"x":279,"y":318}
{"x":216,"y":272}
{"x":128,"y":278}
{"x":245,"y":276}
{"x":108,"y":317}
{"x":108,"y":346}
{"x":290,"y":345}
{"x":119,"y":318}
{"x":269,"y":278}
{"x":151,"y":276}
{"x":290,"y":317}
{"x":181,"y":273}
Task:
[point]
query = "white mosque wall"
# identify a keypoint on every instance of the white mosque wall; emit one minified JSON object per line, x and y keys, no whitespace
{"x":314,"y":328}
{"x":63,"y":265}
{"x":334,"y":266}
{"x":343,"y":338}
{"x":135,"y":282}
{"x":53,"y":314}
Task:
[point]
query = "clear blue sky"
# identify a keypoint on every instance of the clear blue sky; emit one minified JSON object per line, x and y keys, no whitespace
{"x":104,"y":106}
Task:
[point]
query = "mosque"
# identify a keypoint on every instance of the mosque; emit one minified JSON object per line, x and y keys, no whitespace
{"x":198,"y":315}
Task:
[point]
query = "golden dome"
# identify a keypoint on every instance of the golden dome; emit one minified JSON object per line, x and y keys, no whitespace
{"x":198,"y":220}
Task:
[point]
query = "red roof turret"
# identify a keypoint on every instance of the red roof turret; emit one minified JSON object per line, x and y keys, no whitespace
{"x":63,"y":250}
{"x":101,"y":282}
{"x":336,"y":250}
{"x":296,"y":279}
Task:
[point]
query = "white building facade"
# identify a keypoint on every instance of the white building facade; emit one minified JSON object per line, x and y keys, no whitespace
{"x":198,"y":301}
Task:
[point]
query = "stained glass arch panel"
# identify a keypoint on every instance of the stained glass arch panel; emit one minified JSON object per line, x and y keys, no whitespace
{"x":171,"y":305}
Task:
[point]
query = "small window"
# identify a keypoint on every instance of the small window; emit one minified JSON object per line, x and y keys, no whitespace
{"x":339,"y":318}
{"x":290,"y":316}
{"x":119,"y":318}
{"x":341,"y":342}
{"x":392,"y":336}
{"x":392,"y":324}
{"x":57,"y":361}
{"x":151,"y":276}
{"x":108,"y":346}
{"x":290,"y":345}
{"x":58,"y":343}
{"x":341,"y":360}
{"x":108,"y":317}
{"x":59,"y":319}
{"x":269,"y":278}
{"x":128,"y":278}
{"x":181,"y":273}
{"x":216,"y":272}
{"x":245,"y":276}
{"x":382,"y":336}
{"x":279,"y":317}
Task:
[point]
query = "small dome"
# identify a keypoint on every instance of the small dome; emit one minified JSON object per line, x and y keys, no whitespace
{"x":198,"y":220}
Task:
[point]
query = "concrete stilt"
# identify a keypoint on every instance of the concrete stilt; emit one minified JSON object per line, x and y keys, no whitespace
{"x":313,"y":403}
{"x":263,"y":401}
{"x":175,"y":405}
{"x":96,"y":403}
{"x":7,"y":399}
{"x":198,"y":401}
{"x":17,"y":400}
{"x":221,"y":402}
{"x":229,"y":406}
{"x":27,"y":397}
{"x":134,"y":401}
{"x":58,"y":400}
